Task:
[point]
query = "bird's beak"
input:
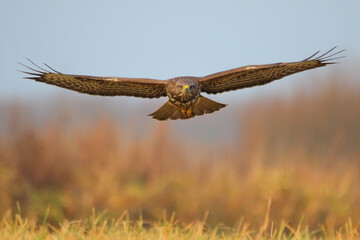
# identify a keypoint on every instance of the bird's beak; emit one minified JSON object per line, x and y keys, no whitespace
{"x":186,"y":89}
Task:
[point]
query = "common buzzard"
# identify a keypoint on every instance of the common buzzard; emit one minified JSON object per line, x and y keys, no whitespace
{"x":185,"y":100}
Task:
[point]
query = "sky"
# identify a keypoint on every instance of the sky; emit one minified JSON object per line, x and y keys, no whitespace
{"x":163,"y":39}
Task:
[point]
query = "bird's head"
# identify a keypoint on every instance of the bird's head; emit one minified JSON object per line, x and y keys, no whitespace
{"x":184,"y":89}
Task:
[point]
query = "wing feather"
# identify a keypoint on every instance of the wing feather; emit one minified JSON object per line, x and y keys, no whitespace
{"x":104,"y":86}
{"x":255,"y":75}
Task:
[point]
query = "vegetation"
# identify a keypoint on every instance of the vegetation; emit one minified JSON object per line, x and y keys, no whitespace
{"x":303,"y":154}
{"x":96,"y":227}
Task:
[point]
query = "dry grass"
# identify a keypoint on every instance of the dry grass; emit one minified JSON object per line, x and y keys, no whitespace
{"x":303,"y":153}
{"x":98,"y":227}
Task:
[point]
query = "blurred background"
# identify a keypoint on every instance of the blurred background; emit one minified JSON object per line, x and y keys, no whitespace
{"x":295,"y":141}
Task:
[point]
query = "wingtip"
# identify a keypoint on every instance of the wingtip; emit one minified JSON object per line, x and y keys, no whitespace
{"x":39,"y":69}
{"x":327,"y":56}
{"x":32,"y":78}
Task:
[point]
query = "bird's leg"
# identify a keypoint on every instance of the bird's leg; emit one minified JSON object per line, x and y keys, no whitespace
{"x":183,"y":110}
{"x":187,"y":111}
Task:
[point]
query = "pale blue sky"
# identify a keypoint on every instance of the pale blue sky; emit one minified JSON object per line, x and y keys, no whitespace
{"x":163,"y":39}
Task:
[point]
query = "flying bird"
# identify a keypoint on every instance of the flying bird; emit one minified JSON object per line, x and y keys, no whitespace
{"x":184,"y":93}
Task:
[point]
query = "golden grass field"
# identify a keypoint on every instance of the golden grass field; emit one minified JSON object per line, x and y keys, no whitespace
{"x":96,"y":227}
{"x":301,"y":153}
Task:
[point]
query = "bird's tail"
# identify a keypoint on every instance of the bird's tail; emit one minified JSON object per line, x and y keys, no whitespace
{"x":205,"y":105}
{"x":202,"y":106}
{"x":167,"y":111}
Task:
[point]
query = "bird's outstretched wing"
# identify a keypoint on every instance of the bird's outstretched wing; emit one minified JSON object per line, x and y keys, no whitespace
{"x":104,"y":86}
{"x":249,"y":76}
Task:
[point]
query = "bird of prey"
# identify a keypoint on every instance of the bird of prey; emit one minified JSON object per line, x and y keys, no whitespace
{"x":184,"y":93}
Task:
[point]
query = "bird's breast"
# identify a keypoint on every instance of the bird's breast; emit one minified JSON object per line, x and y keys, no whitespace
{"x":188,"y":103}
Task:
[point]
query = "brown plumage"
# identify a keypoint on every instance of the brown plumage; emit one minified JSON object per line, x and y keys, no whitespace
{"x":185,"y":100}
